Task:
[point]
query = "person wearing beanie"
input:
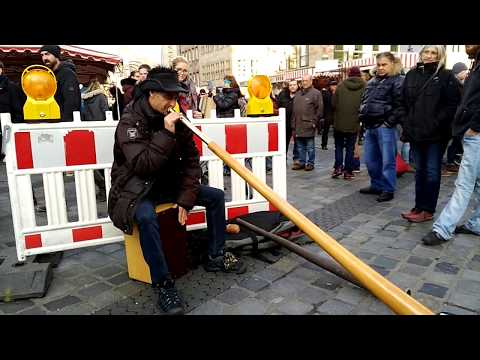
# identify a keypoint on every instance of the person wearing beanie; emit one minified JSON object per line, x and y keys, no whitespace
{"x":354,"y":71}
{"x":460,"y":70}
{"x":467,"y":125}
{"x":68,"y":95}
{"x":430,"y":97}
{"x":156,"y":161}
{"x":346,"y":102}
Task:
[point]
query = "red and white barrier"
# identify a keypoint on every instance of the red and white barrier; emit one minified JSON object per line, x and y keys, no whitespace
{"x":82,"y":147}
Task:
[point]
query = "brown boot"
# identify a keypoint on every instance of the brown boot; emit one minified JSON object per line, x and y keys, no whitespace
{"x":298,"y":166}
{"x":309,"y":167}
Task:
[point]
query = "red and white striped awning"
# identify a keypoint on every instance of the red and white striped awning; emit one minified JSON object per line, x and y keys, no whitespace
{"x":292,"y":75}
{"x":69,"y":50}
{"x":409,"y":60}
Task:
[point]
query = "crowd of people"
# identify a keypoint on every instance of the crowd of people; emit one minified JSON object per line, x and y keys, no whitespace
{"x":430,"y":111}
{"x":424,"y":109}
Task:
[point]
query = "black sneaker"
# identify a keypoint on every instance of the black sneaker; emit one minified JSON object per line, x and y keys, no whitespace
{"x":228,"y":263}
{"x":369,"y":190}
{"x":168,"y":298}
{"x":463,"y":230}
{"x":432,"y":238}
{"x":385,"y":196}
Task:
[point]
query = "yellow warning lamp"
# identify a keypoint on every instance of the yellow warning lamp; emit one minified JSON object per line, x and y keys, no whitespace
{"x":259,"y":103}
{"x":39,"y":84}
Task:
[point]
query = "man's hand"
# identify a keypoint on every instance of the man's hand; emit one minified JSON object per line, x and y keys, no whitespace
{"x":197,"y":115}
{"x":472,"y":133}
{"x":182,"y":215}
{"x":170,"y":121}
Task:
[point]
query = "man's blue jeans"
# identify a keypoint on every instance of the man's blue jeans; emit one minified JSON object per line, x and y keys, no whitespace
{"x":467,"y":184}
{"x":214,"y":201}
{"x":306,"y":150}
{"x":428,"y":174}
{"x":380,"y":154}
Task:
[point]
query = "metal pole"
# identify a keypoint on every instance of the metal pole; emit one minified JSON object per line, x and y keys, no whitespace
{"x":324,"y":263}
{"x":395,"y":298}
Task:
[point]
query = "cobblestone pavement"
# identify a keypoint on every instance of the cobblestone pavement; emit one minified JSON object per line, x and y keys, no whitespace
{"x":444,"y":278}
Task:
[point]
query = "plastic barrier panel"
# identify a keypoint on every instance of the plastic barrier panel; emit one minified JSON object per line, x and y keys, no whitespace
{"x":54,"y":150}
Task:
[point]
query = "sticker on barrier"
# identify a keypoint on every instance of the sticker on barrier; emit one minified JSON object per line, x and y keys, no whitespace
{"x":54,"y":149}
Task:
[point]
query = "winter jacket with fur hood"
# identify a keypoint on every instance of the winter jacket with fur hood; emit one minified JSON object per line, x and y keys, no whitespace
{"x":381,"y":101}
{"x":150,"y":161}
{"x":95,"y":105}
{"x":68,"y":91}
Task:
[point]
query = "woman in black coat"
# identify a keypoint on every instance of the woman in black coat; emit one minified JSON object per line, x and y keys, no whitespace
{"x":430,"y":96}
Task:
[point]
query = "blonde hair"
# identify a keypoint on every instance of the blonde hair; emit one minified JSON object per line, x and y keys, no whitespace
{"x":442,"y":55}
{"x":179,"y":59}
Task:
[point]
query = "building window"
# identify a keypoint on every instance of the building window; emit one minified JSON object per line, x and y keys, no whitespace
{"x":357,"y":53}
{"x":339,"y":53}
{"x":303,"y":55}
{"x":376,"y":47}
{"x":292,"y":59}
{"x":394,"y":48}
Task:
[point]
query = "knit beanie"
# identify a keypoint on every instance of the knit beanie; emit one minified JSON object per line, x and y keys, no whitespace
{"x":354,"y":72}
{"x":458,"y":68}
{"x":52,"y":49}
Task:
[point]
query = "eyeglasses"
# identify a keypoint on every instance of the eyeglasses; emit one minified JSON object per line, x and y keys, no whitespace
{"x":182,"y":70}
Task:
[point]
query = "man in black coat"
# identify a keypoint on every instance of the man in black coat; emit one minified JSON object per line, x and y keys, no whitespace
{"x":156,"y":161}
{"x":67,"y":95}
{"x":285,"y":100}
{"x":11,"y":101}
{"x":328,"y":112}
{"x":466,"y":124}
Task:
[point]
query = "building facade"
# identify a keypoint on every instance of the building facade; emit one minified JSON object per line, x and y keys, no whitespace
{"x":192,"y":54}
{"x":169,"y":52}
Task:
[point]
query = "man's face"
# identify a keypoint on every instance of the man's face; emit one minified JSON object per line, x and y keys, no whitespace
{"x":293,"y":86}
{"x":161,"y":101}
{"x":182,"y":71}
{"x":1,"y":71}
{"x":136,"y":76}
{"x":48,"y":59}
{"x":472,"y":50}
{"x":307,"y":81}
{"x":142,"y":73}
{"x":384,"y":66}
{"x":462,"y":76}
{"x":333,"y":88}
{"x":429,"y":55}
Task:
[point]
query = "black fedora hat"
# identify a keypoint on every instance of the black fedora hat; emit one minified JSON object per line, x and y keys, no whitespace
{"x":165,"y":81}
